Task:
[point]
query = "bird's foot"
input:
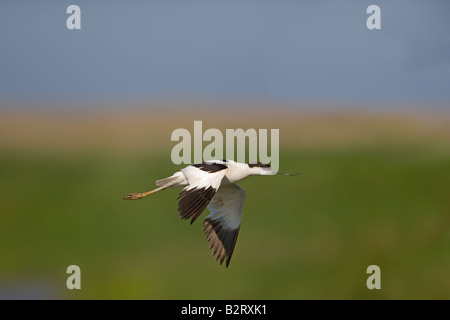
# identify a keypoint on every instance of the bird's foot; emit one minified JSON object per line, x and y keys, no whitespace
{"x":134,"y":196}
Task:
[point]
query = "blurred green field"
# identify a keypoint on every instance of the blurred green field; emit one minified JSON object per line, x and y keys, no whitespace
{"x":306,"y":237}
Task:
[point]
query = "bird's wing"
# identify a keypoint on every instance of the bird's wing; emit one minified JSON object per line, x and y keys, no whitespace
{"x":222,"y":225}
{"x":204,"y":180}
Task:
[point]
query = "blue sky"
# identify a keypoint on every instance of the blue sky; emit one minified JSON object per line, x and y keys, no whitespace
{"x":246,"y":50}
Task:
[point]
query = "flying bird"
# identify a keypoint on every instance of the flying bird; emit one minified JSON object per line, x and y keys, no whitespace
{"x":212,"y":184}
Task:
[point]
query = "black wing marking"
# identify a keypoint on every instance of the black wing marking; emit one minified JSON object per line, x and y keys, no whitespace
{"x":193,"y":201}
{"x":210,"y":167}
{"x":221,"y":240}
{"x":204,"y":180}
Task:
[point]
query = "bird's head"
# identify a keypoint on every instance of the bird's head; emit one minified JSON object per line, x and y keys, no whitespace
{"x":262,"y":169}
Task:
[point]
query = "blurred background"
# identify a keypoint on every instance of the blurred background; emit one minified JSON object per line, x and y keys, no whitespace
{"x":86,"y":117}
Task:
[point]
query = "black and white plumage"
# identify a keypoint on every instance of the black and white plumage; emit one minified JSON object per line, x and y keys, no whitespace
{"x":212,"y":184}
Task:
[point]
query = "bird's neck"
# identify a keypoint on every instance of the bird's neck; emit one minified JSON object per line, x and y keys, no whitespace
{"x":237,"y":173}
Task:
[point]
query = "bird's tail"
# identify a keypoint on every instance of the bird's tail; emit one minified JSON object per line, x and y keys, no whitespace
{"x":176,"y":180}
